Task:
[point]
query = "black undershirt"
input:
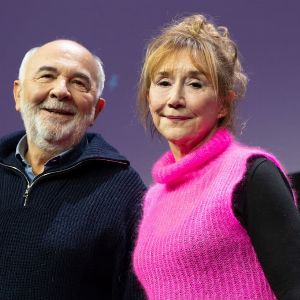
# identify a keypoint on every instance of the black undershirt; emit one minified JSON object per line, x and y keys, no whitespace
{"x":264,"y":205}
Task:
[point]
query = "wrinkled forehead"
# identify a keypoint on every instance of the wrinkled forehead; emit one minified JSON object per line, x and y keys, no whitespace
{"x":65,"y":56}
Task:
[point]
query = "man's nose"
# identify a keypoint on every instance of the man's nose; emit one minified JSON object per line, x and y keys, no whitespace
{"x":176,"y":97}
{"x":60,"y":90}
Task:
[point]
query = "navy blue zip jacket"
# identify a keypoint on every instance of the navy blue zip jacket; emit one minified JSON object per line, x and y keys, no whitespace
{"x":69,"y":233}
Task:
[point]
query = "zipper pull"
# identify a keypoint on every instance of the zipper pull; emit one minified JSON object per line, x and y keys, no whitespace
{"x":25,"y":196}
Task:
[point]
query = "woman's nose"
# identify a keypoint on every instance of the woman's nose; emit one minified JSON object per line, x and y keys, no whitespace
{"x":176,"y":97}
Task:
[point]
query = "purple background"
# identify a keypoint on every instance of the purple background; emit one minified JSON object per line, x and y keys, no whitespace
{"x":267,"y":33}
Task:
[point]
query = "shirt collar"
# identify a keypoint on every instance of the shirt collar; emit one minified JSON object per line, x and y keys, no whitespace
{"x":22,"y":148}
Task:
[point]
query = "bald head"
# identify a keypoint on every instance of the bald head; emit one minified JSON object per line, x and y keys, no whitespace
{"x":67,"y":48}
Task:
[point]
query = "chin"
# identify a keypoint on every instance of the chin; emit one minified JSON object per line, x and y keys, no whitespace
{"x":178,"y":136}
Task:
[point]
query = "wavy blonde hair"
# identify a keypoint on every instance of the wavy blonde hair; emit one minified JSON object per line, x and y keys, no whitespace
{"x":211,"y":50}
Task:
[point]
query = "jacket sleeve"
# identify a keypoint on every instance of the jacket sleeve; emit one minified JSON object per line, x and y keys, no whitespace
{"x":128,"y":284}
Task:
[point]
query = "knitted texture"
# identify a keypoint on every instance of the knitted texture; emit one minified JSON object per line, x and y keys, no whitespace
{"x":190,"y":244}
{"x":74,"y":238}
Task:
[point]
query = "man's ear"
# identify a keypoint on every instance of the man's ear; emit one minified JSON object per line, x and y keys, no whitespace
{"x":99,"y":106}
{"x":17,"y":92}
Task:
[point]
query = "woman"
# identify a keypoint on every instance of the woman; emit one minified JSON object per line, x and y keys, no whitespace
{"x":220,"y":222}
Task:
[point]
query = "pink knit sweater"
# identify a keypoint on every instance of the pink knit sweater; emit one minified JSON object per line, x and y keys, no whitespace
{"x":190,"y":245}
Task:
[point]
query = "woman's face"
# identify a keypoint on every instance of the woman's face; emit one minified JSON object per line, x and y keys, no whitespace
{"x":182,"y":102}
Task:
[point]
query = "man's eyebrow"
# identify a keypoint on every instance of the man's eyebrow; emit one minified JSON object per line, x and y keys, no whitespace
{"x":47,"y":68}
{"x":82,"y":76}
{"x":54,"y":70}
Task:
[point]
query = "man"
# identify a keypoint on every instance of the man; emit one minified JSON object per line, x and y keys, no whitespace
{"x":69,"y":202}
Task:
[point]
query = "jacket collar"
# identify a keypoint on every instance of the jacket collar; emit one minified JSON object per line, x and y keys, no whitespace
{"x":96,"y":148}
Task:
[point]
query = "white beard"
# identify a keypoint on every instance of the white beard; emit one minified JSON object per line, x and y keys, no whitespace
{"x":50,"y":135}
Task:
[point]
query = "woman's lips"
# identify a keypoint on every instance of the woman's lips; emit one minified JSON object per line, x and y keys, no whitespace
{"x":179,"y":118}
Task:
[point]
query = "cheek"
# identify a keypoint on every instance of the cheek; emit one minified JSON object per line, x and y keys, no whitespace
{"x":151,"y":105}
{"x":152,"y":111}
{"x":34,"y":95}
{"x":85,"y":104}
{"x":155,"y":101}
{"x":208,"y":107}
{"x":154,"y":116}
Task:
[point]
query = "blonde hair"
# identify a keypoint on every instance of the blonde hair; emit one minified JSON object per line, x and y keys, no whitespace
{"x":211,"y":50}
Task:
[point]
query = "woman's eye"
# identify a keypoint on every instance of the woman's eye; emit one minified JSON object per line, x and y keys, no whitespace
{"x":164,"y":83}
{"x":196,"y":85}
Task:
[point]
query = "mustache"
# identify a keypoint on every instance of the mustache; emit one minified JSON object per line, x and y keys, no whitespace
{"x":51,"y":104}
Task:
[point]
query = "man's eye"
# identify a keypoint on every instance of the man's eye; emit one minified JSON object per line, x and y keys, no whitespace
{"x":78,"y":82}
{"x":47,"y":76}
{"x":82,"y":86}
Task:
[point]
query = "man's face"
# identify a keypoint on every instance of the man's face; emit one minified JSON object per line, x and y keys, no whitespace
{"x":57,"y":97}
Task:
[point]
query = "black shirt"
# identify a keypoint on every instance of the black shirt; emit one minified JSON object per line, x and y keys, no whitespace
{"x":264,"y":205}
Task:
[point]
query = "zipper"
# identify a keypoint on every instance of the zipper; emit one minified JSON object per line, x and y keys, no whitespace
{"x":25,"y":195}
{"x":31,"y":184}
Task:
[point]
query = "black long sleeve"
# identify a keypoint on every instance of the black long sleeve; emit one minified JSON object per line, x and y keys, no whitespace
{"x":265,"y":206}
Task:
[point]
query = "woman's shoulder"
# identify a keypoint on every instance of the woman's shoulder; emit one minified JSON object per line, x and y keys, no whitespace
{"x":251,"y":153}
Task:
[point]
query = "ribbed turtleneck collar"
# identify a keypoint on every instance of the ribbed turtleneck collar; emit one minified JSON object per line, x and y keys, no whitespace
{"x":167,"y":170}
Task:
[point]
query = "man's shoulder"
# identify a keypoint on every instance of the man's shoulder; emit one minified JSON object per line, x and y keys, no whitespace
{"x":8,"y":143}
{"x":97,"y":146}
{"x":16,"y":135}
{"x":100,"y":149}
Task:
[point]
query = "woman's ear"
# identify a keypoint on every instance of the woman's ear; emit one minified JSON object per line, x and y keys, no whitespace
{"x":222,"y":112}
{"x":226,"y":103}
{"x":231,"y":95}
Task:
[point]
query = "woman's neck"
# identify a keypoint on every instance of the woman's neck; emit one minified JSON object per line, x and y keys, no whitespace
{"x":184,"y":147}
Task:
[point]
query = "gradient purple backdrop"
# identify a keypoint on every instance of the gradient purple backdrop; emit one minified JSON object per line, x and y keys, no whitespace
{"x":267,"y":33}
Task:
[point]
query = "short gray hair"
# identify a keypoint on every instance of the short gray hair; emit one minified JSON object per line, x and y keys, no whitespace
{"x":99,"y":63}
{"x":24,"y":62}
{"x":100,"y":75}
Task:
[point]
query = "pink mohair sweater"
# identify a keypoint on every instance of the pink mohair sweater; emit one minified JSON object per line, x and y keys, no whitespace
{"x":190,"y":245}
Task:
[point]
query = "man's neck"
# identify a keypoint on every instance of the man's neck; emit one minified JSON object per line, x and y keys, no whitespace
{"x":38,"y":157}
